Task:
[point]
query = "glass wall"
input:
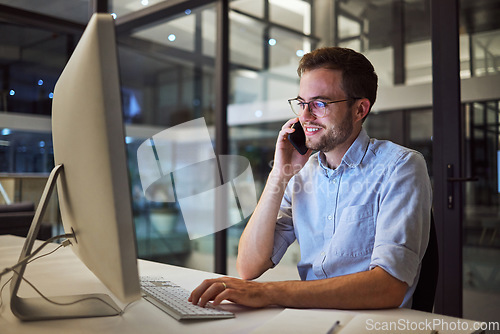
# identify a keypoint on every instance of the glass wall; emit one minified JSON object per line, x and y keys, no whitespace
{"x":264,"y":54}
{"x":396,"y":37}
{"x":171,"y":82}
{"x":25,"y":152}
{"x":31,"y":62}
{"x":480,"y":54}
{"x":481,"y":243}
{"x":77,"y":11}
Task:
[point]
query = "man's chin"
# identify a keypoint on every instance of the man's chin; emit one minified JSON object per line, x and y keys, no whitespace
{"x":313,"y":146}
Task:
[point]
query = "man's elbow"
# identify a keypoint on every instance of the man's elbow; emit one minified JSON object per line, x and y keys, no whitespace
{"x":247,"y":274}
{"x":396,"y":294}
{"x":249,"y":271}
{"x":244,"y":270}
{"x":391,"y":292}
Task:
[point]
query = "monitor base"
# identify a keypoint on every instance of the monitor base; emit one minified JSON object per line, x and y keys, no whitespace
{"x":77,"y":306}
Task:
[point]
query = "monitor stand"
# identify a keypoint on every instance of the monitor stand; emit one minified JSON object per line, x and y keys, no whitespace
{"x":62,"y":307}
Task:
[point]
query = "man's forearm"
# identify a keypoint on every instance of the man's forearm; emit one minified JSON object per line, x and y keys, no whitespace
{"x":256,"y":242}
{"x":372,"y":289}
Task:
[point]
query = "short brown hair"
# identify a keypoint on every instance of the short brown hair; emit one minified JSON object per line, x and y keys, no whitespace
{"x":358,"y":75}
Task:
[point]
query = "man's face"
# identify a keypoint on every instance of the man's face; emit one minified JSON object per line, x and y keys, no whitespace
{"x":336,"y":128}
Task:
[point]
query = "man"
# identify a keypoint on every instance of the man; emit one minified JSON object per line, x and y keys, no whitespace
{"x":359,"y":207}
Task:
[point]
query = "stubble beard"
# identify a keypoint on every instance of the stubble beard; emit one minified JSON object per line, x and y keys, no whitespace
{"x":334,"y":136}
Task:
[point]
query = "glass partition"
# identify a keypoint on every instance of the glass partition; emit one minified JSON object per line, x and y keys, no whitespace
{"x":77,"y":11}
{"x":26,"y":158}
{"x":25,"y":151}
{"x":263,"y":77}
{"x":246,"y":45}
{"x":178,"y":33}
{"x":32,"y":60}
{"x":252,"y":7}
{"x":123,"y":7}
{"x":481,"y":242}
{"x":170,"y":82}
{"x":294,"y":14}
{"x":366,"y":28}
{"x":485,"y":53}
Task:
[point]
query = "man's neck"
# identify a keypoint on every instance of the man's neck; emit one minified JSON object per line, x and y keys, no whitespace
{"x":333,"y":158}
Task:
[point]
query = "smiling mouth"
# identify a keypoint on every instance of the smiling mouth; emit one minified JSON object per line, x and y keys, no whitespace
{"x":310,"y":130}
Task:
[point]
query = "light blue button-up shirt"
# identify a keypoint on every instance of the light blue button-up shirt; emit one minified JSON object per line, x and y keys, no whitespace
{"x":373,"y":210}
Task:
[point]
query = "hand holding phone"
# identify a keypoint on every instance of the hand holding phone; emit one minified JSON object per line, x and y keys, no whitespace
{"x":298,"y":138}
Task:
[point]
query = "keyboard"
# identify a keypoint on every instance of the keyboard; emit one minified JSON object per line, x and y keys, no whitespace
{"x":173,"y":300}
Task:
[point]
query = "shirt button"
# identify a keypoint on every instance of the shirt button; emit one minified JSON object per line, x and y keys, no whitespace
{"x":330,"y":217}
{"x":322,"y":253}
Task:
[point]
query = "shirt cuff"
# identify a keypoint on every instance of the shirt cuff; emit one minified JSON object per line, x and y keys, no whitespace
{"x":398,"y":261}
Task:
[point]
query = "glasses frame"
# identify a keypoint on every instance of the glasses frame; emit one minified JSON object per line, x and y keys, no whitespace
{"x":309,"y":105}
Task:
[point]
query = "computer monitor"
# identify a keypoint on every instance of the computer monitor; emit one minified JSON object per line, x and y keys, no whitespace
{"x":92,"y":180}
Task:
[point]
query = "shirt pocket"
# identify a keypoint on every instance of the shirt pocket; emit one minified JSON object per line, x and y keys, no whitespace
{"x":355,"y":232}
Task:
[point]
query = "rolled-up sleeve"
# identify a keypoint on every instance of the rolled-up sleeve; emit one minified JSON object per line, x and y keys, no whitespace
{"x":403,"y":222}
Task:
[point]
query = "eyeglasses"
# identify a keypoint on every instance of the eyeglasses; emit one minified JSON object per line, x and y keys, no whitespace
{"x":317,"y":108}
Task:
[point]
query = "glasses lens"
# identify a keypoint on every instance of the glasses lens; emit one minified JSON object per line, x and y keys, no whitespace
{"x":318,"y":108}
{"x":296,"y":107}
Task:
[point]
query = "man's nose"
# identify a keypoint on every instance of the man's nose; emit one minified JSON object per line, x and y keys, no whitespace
{"x":306,"y":114}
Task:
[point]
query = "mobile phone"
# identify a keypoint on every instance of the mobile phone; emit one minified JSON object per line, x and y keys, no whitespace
{"x":298,"y":138}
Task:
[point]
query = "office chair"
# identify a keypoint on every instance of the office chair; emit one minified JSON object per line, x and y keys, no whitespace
{"x":423,"y":297}
{"x":16,"y":219}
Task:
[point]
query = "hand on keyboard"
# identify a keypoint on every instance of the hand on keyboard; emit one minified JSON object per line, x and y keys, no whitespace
{"x":173,"y":300}
{"x":248,"y":293}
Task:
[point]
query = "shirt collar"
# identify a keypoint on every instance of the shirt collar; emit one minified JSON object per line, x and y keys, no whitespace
{"x":357,"y":151}
{"x":354,"y":154}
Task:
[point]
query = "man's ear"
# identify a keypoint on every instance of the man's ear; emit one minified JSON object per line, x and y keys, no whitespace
{"x":362,"y":108}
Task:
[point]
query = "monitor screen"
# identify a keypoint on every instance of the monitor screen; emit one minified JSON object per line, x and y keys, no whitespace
{"x":88,"y":138}
{"x":93,"y":184}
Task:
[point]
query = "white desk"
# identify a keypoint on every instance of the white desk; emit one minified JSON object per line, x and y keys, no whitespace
{"x":62,"y":274}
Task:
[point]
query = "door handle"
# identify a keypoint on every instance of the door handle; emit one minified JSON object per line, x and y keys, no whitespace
{"x":463,"y":179}
{"x":451,"y":180}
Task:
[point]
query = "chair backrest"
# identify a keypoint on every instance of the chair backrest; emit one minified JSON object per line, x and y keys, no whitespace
{"x":17,"y":207}
{"x":423,"y":297}
{"x":16,"y":218}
